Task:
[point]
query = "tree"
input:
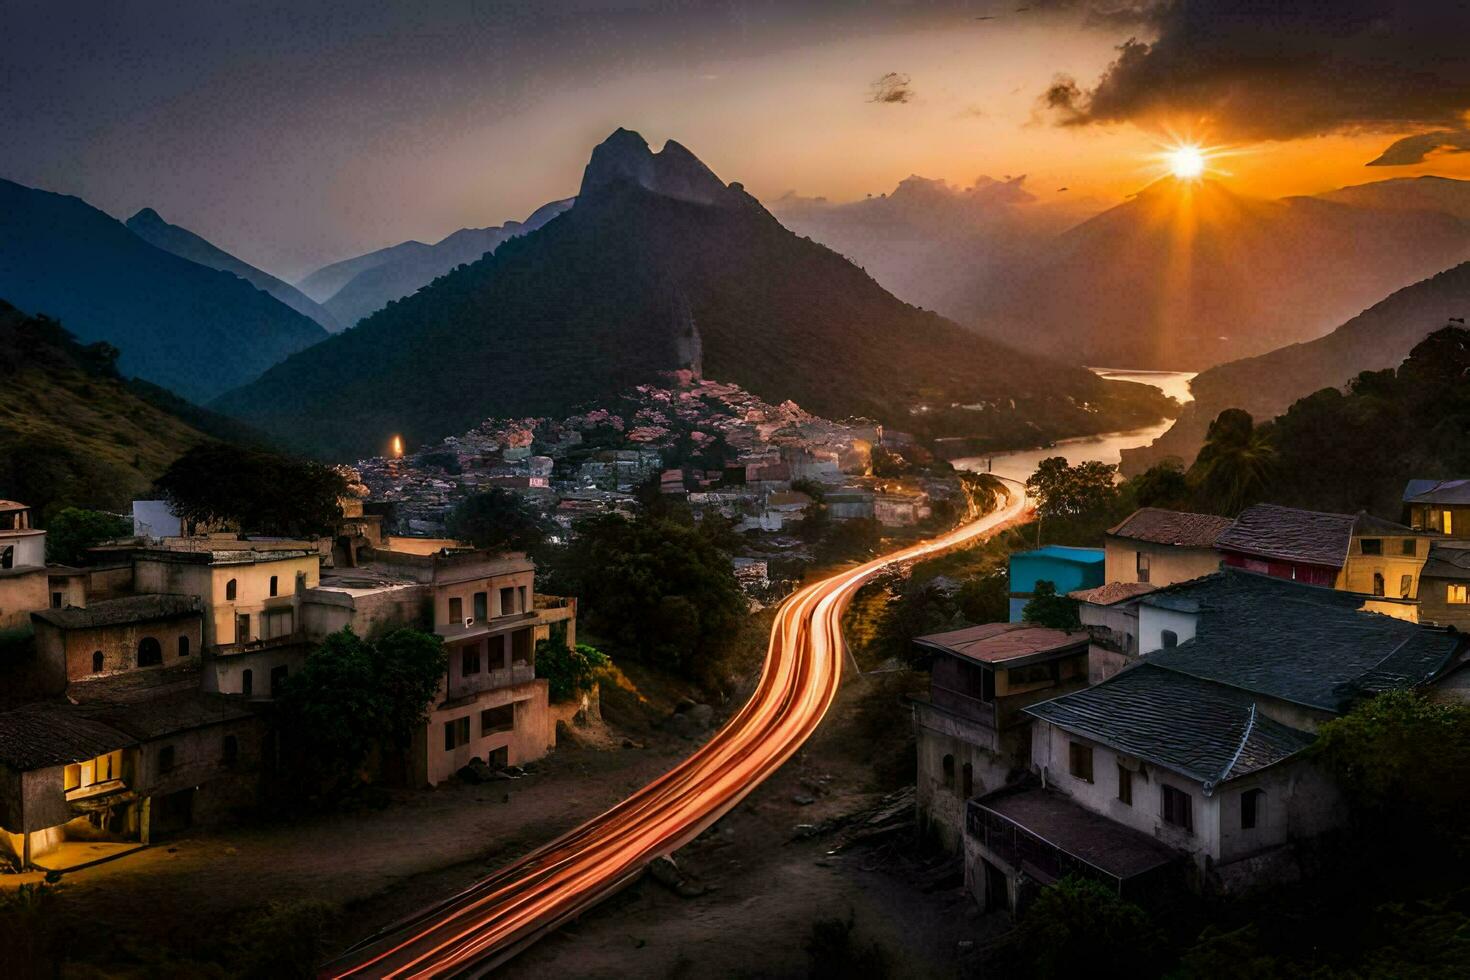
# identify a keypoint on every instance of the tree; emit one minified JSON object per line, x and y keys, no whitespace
{"x":1162,"y":485}
{"x":351,"y":696}
{"x":984,"y":597}
{"x":1235,"y":464}
{"x":258,"y":490}
{"x":1046,"y":608}
{"x":916,"y":611}
{"x":1079,"y":928}
{"x":1061,"y":490}
{"x":71,"y":532}
{"x":500,"y":521}
{"x":568,"y":671}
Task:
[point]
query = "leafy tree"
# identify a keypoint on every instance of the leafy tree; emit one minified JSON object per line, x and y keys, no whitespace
{"x":500,"y":521}
{"x":985,"y":598}
{"x":1235,"y":465}
{"x":1046,"y":608}
{"x":916,"y":611}
{"x":1079,"y":928}
{"x":71,"y":532}
{"x":844,"y":540}
{"x":351,"y":696}
{"x":258,"y":490}
{"x":568,"y":671}
{"x":1162,"y":485}
{"x":1062,"y":490}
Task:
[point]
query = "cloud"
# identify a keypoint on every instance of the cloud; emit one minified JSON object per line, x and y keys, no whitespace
{"x":1414,"y":149}
{"x":1258,"y":69}
{"x":891,"y":89}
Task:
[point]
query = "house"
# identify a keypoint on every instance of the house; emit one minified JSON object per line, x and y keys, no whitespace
{"x":1160,"y":547}
{"x":1353,"y":552}
{"x":849,"y":504}
{"x":1110,"y":614}
{"x":1444,"y":585}
{"x":1190,"y":765}
{"x":1438,"y":505}
{"x":1068,"y":569}
{"x":971,"y":733}
{"x":901,"y":509}
{"x":24,"y":582}
{"x":117,"y":636}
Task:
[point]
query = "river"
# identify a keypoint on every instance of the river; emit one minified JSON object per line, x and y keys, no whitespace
{"x":1108,"y":447}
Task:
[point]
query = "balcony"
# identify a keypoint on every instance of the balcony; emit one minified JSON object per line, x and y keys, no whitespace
{"x":965,"y":705}
{"x":261,"y":643}
{"x":464,"y":690}
{"x":450,"y":632}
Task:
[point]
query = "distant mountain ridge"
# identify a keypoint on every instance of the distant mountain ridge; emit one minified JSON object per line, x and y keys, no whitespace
{"x":405,"y":272}
{"x":148,"y":225}
{"x":658,"y":258}
{"x":195,"y":330}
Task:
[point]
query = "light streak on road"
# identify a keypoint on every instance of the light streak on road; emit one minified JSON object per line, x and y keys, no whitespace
{"x":492,"y":920}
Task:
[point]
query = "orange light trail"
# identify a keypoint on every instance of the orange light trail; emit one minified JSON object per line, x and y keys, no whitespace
{"x":486,"y":924}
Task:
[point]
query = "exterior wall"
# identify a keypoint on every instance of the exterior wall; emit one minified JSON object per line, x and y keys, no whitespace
{"x":1298,"y":800}
{"x":1392,"y":564}
{"x":220,"y":789}
{"x":1154,"y":620}
{"x":28,"y":547}
{"x":465,"y":588}
{"x":1082,"y":568}
{"x":225,"y":673}
{"x":1167,"y":564}
{"x":209,"y":582}
{"x":940,"y":794}
{"x":22,"y":593}
{"x":69,"y":652}
{"x":1296,"y":571}
{"x":1434,"y":604}
{"x":1431,"y":517}
{"x":326,"y":610}
{"x":530,"y":739}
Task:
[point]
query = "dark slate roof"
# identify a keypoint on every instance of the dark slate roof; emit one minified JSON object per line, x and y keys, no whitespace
{"x":54,"y":733}
{"x":1205,"y":731}
{"x":1289,"y":534}
{"x":1305,"y":644}
{"x":168,"y":714}
{"x":118,"y":612}
{"x":1105,"y":844}
{"x":994,"y":643}
{"x":1172,"y":527}
{"x":1366,"y":523}
{"x":1437,"y":492}
{"x":1447,"y":560}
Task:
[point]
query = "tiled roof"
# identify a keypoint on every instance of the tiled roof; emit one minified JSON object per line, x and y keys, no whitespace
{"x":167,"y":714}
{"x":1172,"y":527}
{"x":1289,"y":534}
{"x":1448,"y":559}
{"x":1105,"y":844}
{"x":1112,"y":593}
{"x":52,"y":733}
{"x":1205,"y":731}
{"x":1437,"y":492}
{"x":1002,"y":642}
{"x":1300,"y":643}
{"x":115,"y":612}
{"x":1366,"y":523}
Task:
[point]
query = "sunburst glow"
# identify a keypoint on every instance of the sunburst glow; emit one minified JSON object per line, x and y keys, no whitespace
{"x":1186,"y":162}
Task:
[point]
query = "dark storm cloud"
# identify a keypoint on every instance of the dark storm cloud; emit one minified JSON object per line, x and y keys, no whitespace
{"x":1415,"y":149}
{"x":1273,"y":70}
{"x":892,"y":89}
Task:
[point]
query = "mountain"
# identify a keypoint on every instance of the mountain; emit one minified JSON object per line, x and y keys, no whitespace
{"x":1188,"y":274}
{"x":1265,"y":386}
{"x":930,"y":242}
{"x":375,"y":287}
{"x":195,"y":330}
{"x":71,"y":431}
{"x":1428,"y":193}
{"x":325,"y":282}
{"x":149,"y":226}
{"x":659,"y":265}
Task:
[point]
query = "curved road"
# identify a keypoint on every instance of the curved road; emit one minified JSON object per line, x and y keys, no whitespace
{"x":489,"y":922}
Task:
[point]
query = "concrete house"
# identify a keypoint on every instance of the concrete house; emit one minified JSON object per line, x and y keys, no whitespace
{"x":1110,"y":614}
{"x":1444,"y":585}
{"x":1188,"y":767}
{"x":971,"y":732}
{"x":24,"y":581}
{"x":1352,"y":552}
{"x":1069,"y":569}
{"x":1438,"y":505}
{"x":118,"y":636}
{"x":1158,"y":547}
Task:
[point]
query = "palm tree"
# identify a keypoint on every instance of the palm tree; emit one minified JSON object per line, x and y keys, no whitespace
{"x":1235,"y":464}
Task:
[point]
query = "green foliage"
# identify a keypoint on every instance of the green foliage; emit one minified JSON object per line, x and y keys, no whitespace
{"x":1235,"y":466}
{"x":916,"y":611}
{"x":846,"y":540}
{"x":834,"y":954}
{"x":1079,"y":928}
{"x":985,"y":596}
{"x":72,"y":531}
{"x":1046,"y":608}
{"x":652,"y":590}
{"x":568,"y":672}
{"x":352,"y":695}
{"x":500,"y":521}
{"x":1061,"y":490}
{"x":1163,"y":485}
{"x":261,"y":491}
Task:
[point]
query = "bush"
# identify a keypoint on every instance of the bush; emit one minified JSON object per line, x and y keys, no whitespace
{"x":568,"y":672}
{"x":71,"y":532}
{"x":1046,"y":608}
{"x":1079,"y":928}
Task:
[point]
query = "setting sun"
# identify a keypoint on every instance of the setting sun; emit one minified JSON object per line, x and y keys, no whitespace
{"x":1186,"y":162}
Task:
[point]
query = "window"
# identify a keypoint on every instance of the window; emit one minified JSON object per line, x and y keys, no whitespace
{"x":1033,"y":674}
{"x":1125,"y":786}
{"x":507,"y":601}
{"x":482,"y":606}
{"x":166,"y":759}
{"x":1178,"y":808}
{"x":150,"y":652}
{"x":1411,"y":546}
{"x":456,"y":733}
{"x":1378,"y":583}
{"x":501,"y":719}
{"x":7,"y":556}
{"x":231,"y":590}
{"x":1079,"y":760}
{"x":1447,"y":522}
{"x":1142,"y":566}
{"x":184,"y":644}
{"x":56,"y":600}
{"x":1457,"y":595}
{"x":523,"y":604}
{"x":456,"y":610}
{"x":1406,"y":586}
{"x":231,"y":750}
{"x":1250,"y":808}
{"x":273,"y":585}
{"x":96,"y":661}
{"x":1169,"y":639}
{"x":948,"y":767}
{"x":242,"y":628}
{"x":1371,"y":546}
{"x":469,"y":660}
{"x":497,"y":653}
{"x":278,"y":678}
{"x":967,"y":781}
{"x":247,"y":683}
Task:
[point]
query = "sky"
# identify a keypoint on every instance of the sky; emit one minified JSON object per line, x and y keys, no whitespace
{"x":295,"y":134}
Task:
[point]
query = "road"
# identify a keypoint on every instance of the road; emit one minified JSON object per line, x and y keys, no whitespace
{"x":486,"y":924}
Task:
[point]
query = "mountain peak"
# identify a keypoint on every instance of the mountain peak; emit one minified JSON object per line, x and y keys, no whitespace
{"x":147,"y":216}
{"x":625,"y":157}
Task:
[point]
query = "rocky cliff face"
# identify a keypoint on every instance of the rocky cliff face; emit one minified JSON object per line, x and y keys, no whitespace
{"x":624,"y":157}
